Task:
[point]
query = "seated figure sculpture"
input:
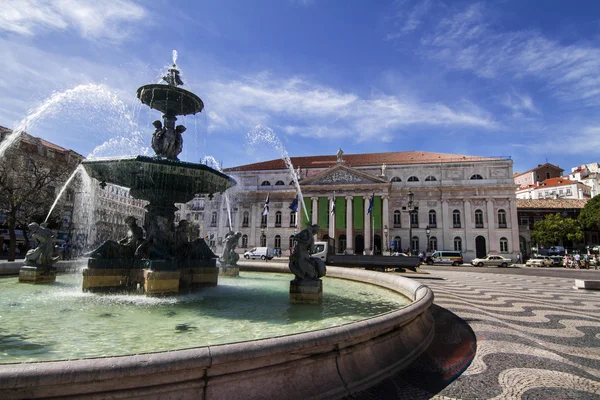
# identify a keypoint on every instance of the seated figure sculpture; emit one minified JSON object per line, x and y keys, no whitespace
{"x":230,"y":257}
{"x":302,"y":265}
{"x":124,"y":248}
{"x":43,"y":254}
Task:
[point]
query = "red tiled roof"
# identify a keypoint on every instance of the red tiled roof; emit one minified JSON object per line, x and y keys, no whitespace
{"x":45,"y":143}
{"x":552,"y":203}
{"x":539,"y":166}
{"x":363,"y":160}
{"x":557,"y":182}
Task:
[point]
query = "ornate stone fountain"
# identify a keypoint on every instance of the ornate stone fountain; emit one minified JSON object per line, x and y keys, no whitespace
{"x":163,"y":262}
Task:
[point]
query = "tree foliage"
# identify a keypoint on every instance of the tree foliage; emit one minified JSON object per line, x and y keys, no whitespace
{"x":554,"y":229}
{"x":589,"y":218}
{"x":28,"y":183}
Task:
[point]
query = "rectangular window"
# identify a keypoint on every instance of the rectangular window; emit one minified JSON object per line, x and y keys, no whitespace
{"x":456,"y":220}
{"x":568,"y":190}
{"x":292,"y":219}
{"x":414,"y":219}
{"x":525,"y":221}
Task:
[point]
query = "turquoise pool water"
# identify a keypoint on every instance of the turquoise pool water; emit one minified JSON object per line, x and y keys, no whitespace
{"x":58,"y":321}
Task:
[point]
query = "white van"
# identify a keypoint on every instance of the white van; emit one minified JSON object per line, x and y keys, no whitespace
{"x":264,"y":253}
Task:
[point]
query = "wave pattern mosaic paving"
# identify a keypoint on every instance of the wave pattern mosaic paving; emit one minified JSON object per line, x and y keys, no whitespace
{"x":504,"y":337}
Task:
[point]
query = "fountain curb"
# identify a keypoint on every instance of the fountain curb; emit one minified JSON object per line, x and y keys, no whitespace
{"x":328,"y":363}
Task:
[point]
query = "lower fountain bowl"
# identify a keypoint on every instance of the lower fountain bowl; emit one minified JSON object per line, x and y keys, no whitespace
{"x":327,"y":363}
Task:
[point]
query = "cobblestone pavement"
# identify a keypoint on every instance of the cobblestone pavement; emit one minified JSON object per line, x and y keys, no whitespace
{"x":504,"y":335}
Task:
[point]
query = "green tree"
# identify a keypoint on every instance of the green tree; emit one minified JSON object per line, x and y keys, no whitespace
{"x":589,"y":217}
{"x":554,"y":229}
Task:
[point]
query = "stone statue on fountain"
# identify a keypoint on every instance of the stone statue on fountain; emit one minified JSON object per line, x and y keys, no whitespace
{"x":167,"y":140}
{"x":302,"y":265}
{"x":124,"y":248}
{"x":43,"y":254}
{"x":230,"y":257}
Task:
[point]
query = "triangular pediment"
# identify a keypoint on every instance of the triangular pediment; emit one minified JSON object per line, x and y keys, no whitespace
{"x":342,"y":175}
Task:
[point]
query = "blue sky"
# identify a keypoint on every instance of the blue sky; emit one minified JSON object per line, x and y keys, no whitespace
{"x":499,"y":78}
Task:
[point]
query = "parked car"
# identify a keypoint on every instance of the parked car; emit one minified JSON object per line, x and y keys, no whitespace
{"x":264,"y":253}
{"x":557,"y":261}
{"x":492,"y":260}
{"x":539,"y":261}
{"x":445,"y":257}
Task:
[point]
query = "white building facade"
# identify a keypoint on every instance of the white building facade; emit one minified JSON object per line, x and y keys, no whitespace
{"x":589,"y":175}
{"x":468,"y":203}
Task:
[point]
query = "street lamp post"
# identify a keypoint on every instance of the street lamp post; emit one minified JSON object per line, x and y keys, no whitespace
{"x":387,"y":241}
{"x":411,"y":198}
{"x":428,"y":234}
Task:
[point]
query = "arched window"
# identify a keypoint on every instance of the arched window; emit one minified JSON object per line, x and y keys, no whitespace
{"x":415,"y":244}
{"x":263,"y":221}
{"x":244,"y":241}
{"x":478,"y":219}
{"x":457,"y":244}
{"x":414,"y":219}
{"x":432,"y":219}
{"x":501,"y":218}
{"x":397,"y":243}
{"x":245,"y":219}
{"x":430,"y":178}
{"x":503,"y":245}
{"x":292,"y":183}
{"x":476,"y":176}
{"x":413,"y":179}
{"x":291,"y":243}
{"x":456,"y":219}
{"x":277,"y":242}
{"x":279,"y":183}
{"x":292,"y":219}
{"x":263,"y":240}
{"x":213,"y":219}
{"x":433,"y":243}
{"x":397,"y":219}
{"x":278,"y":219}
{"x":265,"y":183}
{"x":395,"y":179}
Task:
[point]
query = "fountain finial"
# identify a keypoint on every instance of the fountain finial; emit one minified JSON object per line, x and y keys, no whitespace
{"x":172,"y":76}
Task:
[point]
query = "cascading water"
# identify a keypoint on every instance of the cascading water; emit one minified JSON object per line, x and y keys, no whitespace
{"x":93,"y":101}
{"x":262,"y":134}
{"x":212,"y":162}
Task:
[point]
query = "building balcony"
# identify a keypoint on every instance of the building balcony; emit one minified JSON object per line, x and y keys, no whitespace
{"x":479,"y":226}
{"x":502,"y":226}
{"x":456,"y":225}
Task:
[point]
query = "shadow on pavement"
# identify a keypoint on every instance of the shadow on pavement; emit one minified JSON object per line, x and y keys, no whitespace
{"x":450,"y":353}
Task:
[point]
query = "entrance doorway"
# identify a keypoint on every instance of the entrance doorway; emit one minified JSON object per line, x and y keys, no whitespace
{"x":480,"y":247}
{"x":342,"y":244}
{"x":377,"y":244}
{"x":359,"y":244}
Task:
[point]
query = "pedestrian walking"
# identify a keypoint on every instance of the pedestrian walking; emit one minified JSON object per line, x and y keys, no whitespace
{"x":518,"y":258}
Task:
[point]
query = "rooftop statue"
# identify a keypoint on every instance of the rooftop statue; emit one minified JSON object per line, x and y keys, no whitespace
{"x":302,"y":265}
{"x":339,"y":155}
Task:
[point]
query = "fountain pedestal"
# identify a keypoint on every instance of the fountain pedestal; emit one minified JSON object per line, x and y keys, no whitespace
{"x":229,"y":271}
{"x":37,"y":274}
{"x":306,"y":292}
{"x":161,"y":283}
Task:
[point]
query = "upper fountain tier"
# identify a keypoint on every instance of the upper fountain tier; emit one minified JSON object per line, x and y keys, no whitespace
{"x":170,"y":99}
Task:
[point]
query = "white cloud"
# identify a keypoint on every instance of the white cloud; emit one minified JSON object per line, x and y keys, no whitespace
{"x":289,"y":103}
{"x":466,"y":41}
{"x":408,"y":19}
{"x":107,"y":19}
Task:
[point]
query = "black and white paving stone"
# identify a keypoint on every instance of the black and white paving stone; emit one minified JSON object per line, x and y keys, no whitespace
{"x":505,"y":334}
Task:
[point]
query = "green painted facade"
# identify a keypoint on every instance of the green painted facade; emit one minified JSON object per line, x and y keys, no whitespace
{"x":340,"y":213}
{"x":358,"y":211}
{"x":323,"y":216}
{"x":308,"y":208}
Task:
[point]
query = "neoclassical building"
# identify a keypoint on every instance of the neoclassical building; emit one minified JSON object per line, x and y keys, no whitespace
{"x":465,"y":203}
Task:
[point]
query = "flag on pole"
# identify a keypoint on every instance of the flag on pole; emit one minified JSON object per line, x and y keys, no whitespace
{"x":294,"y":204}
{"x":333,"y":204}
{"x":266,"y":207}
{"x":371,"y":200}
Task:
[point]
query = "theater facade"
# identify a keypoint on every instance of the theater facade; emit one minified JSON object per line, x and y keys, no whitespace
{"x":459,"y":202}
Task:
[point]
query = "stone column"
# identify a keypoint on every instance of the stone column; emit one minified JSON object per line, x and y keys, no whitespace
{"x":253,"y":226}
{"x":447,"y":243}
{"x":492,"y":244}
{"x":331,"y":221}
{"x":386,"y":212}
{"x":469,"y":239}
{"x":349,"y":226}
{"x":315,"y":214}
{"x":367,"y":224}
{"x":514,"y":229}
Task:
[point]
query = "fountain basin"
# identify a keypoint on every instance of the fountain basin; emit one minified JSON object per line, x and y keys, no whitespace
{"x":327,"y":363}
{"x":169,"y":99}
{"x":153,"y":178}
